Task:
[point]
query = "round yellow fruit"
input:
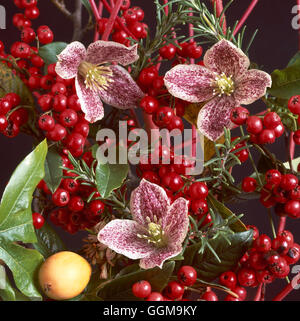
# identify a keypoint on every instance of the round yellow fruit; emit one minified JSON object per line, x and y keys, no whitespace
{"x":64,"y":275}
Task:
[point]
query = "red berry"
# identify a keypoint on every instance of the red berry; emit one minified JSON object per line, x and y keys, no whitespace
{"x":139,"y":13}
{"x":294,"y":105}
{"x":292,"y":209}
{"x":296,"y":137}
{"x":289,"y":182}
{"x":38,"y":220}
{"x":254,"y":125}
{"x":46,"y":122}
{"x":278,"y":266}
{"x":228,"y":279}
{"x":267,"y":136}
{"x":175,"y":123}
{"x":76,"y":204}
{"x":198,"y":190}
{"x":199,"y":207}
{"x":61,"y":197}
{"x":271,"y":120}
{"x":281,"y":245}
{"x":58,"y":133}
{"x":239,"y":115}
{"x":28,"y":35}
{"x":257,"y":261}
{"x":32,"y":13}
{"x":70,"y":185}
{"x":187,"y":275}
{"x":155,"y":296}
{"x":45,"y":35}
{"x":249,"y":184}
{"x":163,"y":116}
{"x":68,"y":118}
{"x":241,"y":292}
{"x":96,"y":208}
{"x":264,"y":276}
{"x":149,"y":104}
{"x":262,"y":243}
{"x":3,"y":123}
{"x":247,"y":277}
{"x":279,"y":130}
{"x":273,"y":177}
{"x":293,"y":254}
{"x":168,"y":51}
{"x":209,"y":296}
{"x":60,"y":102}
{"x":141,"y":289}
{"x":147,"y":76}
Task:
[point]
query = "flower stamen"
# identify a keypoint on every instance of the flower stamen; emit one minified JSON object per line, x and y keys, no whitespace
{"x":224,"y":85}
{"x":154,"y":233}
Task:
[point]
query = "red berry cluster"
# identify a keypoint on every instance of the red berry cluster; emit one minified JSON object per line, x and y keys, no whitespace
{"x":262,"y":129}
{"x":63,"y":120}
{"x":72,"y":211}
{"x":131,"y":18}
{"x":294,"y":107}
{"x":174,"y":291}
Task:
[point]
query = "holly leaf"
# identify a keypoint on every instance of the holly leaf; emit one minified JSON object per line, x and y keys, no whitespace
{"x":16,"y":221}
{"x":110,"y":177}
{"x":49,"y":52}
{"x":48,"y":241}
{"x":9,"y":82}
{"x":53,"y":170}
{"x":206,"y":264}
{"x":286,"y":82}
{"x":119,"y":289}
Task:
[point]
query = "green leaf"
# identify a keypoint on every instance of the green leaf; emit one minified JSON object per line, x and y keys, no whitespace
{"x":88,"y":7}
{"x":48,"y":241}
{"x":110,"y":177}
{"x":53,"y":170}
{"x":49,"y":52}
{"x":119,"y":289}
{"x":9,"y":82}
{"x":226,"y":213}
{"x":15,"y":207}
{"x":207,"y":266}
{"x":295,"y":59}
{"x":295,"y":163}
{"x":24,"y":264}
{"x":286,"y":82}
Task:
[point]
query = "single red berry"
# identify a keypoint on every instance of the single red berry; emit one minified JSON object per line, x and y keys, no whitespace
{"x":241,"y":292}
{"x":75,"y":141}
{"x":175,"y":124}
{"x":45,"y":102}
{"x":147,"y":76}
{"x":76,"y":204}
{"x":281,"y":245}
{"x":5,"y":106}
{"x":209,"y":296}
{"x":255,"y":231}
{"x":296,"y":137}
{"x":46,"y":123}
{"x":155,"y":296}
{"x":58,"y":133}
{"x":198,"y":190}
{"x":60,"y":103}
{"x":13,"y":98}
{"x":293,"y":254}
{"x":61,"y":197}
{"x":273,"y":177}
{"x":68,"y":118}
{"x":288,"y":236}
{"x":96,"y":208}
{"x":70,"y":185}
{"x":38,"y":220}
{"x":228,"y":279}
{"x":45,"y":35}
{"x":267,"y":136}
{"x":163,"y":116}
{"x":294,"y":105}
{"x":187,"y":275}
{"x":249,"y":184}
{"x":254,"y":125}
{"x":289,"y":182}
{"x":141,"y":289}
{"x":239,"y":115}
{"x":271,"y":120}
{"x":139,"y":13}
{"x":28,"y":35}
{"x":279,"y":267}
{"x":120,"y":37}
{"x":247,"y":277}
{"x":279,"y":130}
{"x":264,"y":276}
{"x":262,"y":243}
{"x":199,"y":207}
{"x":149,"y":104}
{"x":292,"y":209}
{"x":3,"y":123}
{"x":32,"y":13}
{"x":257,"y":261}
{"x":168,"y":51}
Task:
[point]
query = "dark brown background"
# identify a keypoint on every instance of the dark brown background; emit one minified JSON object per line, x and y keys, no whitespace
{"x":274,"y":45}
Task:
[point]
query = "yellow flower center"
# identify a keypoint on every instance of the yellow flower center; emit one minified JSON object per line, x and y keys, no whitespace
{"x":96,"y":77}
{"x":154,"y":234}
{"x":224,"y":85}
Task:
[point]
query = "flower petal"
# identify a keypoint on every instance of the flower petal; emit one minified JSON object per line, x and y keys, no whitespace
{"x":159,"y":256}
{"x":192,"y":83}
{"x":251,"y":86}
{"x":225,"y":57}
{"x":121,"y":237}
{"x":214,"y":116}
{"x":90,"y":101}
{"x":110,"y":51}
{"x":148,"y":199}
{"x":176,"y":221}
{"x":69,"y":60}
{"x":123,"y":92}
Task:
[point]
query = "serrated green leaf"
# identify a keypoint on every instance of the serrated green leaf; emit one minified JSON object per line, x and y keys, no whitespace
{"x":53,"y":170}
{"x":24,"y":264}
{"x":286,"y":82}
{"x":119,"y":289}
{"x":15,"y":207}
{"x":110,"y":177}
{"x":49,"y":52}
{"x":226,"y":213}
{"x":207,"y":266}
{"x":9,"y":82}
{"x":48,"y":241}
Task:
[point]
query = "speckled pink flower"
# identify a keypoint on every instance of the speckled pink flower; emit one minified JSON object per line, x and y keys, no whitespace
{"x":97,"y":79}
{"x":157,"y":230}
{"x":224,"y":82}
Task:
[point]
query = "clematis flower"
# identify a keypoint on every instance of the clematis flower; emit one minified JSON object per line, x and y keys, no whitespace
{"x":97,"y":78}
{"x":224,"y":82}
{"x":157,"y":230}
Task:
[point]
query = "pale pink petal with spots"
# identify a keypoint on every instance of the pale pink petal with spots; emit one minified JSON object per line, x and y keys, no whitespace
{"x":252,"y":86}
{"x":176,"y":221}
{"x":214,"y":116}
{"x":90,"y":101}
{"x":69,"y":60}
{"x":121,"y":237}
{"x":123,"y":92}
{"x":150,"y":200}
{"x":109,"y":51}
{"x":192,"y":83}
{"x":159,"y":256}
{"x":225,"y":57}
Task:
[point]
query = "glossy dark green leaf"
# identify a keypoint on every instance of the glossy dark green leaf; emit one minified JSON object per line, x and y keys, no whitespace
{"x":7,"y":292}
{"x":119,"y":289}
{"x":207,"y":266}
{"x":226,"y":213}
{"x":9,"y":82}
{"x":48,"y":241}
{"x":110,"y":177}
{"x":286,"y":82}
{"x":15,"y":207}
{"x":24,"y":264}
{"x":49,"y":52}
{"x":53,"y":170}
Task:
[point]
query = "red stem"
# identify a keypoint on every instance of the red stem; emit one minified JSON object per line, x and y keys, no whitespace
{"x":95,"y":10}
{"x":111,"y":20}
{"x":281,"y":226}
{"x":219,"y":9}
{"x":245,"y":16}
{"x":258,"y":293}
{"x":100,"y":10}
{"x":288,"y":289}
